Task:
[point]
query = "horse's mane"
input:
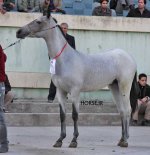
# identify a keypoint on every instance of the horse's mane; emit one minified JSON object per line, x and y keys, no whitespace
{"x":59,"y":28}
{"x":62,"y":31}
{"x":49,"y":15}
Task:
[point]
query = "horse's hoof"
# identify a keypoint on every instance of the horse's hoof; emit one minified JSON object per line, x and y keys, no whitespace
{"x":123,"y":144}
{"x":73,"y":145}
{"x":57,"y":144}
{"x":119,"y":143}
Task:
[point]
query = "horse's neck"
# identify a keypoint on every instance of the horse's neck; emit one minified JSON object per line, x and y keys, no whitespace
{"x":55,"y":43}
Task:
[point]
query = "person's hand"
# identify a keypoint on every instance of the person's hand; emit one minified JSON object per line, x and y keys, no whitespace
{"x":55,"y":10}
{"x":144,"y":99}
{"x":140,"y":101}
{"x":12,"y":5}
{"x":2,"y":10}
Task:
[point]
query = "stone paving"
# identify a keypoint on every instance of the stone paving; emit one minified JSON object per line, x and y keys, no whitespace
{"x":100,"y":140}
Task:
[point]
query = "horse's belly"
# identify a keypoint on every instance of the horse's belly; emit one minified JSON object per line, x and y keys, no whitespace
{"x":96,"y":84}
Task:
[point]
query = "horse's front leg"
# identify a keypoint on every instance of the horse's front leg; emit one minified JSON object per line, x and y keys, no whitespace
{"x":75,"y":113}
{"x":61,"y":99}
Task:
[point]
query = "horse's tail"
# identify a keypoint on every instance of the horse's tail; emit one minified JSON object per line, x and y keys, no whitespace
{"x":134,"y":93}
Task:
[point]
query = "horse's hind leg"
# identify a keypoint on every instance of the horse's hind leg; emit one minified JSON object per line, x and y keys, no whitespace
{"x":75,"y":112}
{"x":125,"y":116}
{"x":62,"y":100}
{"x":123,"y":105}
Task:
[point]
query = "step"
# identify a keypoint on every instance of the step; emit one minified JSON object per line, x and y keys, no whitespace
{"x":33,"y":112}
{"x":52,"y":119}
{"x":45,"y":107}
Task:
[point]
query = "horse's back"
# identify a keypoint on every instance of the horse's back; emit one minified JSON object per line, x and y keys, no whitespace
{"x":114,"y":58}
{"x":102,"y":69}
{"x":125,"y":62}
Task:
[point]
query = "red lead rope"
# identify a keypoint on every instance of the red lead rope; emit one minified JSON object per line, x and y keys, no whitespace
{"x":60,"y":51}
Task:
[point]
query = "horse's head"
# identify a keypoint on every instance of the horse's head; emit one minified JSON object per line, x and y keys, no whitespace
{"x":37,"y":28}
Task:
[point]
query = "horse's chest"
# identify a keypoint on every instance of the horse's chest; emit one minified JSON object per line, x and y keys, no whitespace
{"x":61,"y":82}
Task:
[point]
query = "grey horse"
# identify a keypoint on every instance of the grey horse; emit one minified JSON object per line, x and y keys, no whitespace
{"x":76,"y":72}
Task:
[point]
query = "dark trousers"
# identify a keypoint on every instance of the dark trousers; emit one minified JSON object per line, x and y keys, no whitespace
{"x":3,"y":130}
{"x":52,"y":91}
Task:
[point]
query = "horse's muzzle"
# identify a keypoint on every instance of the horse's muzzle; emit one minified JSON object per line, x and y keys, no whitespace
{"x":21,"y":34}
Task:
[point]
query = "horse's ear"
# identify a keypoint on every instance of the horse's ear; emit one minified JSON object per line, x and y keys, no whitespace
{"x":48,"y":11}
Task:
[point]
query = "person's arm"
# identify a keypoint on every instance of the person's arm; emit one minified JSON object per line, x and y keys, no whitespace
{"x":9,"y":5}
{"x":145,"y":99}
{"x":148,"y":98}
{"x":11,"y":2}
{"x":130,"y":14}
{"x":1,"y":64}
{"x":73,"y":43}
{"x":7,"y":85}
{"x":0,"y":51}
{"x":2,"y":60}
{"x":94,"y":12}
{"x":148,"y":92}
{"x":2,"y":10}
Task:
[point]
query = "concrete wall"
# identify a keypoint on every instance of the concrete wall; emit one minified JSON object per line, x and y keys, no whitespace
{"x":28,"y":63}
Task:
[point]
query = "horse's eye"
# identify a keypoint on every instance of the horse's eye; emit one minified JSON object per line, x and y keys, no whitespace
{"x":39,"y":22}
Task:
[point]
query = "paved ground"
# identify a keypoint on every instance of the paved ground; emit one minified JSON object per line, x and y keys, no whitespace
{"x":92,"y":141}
